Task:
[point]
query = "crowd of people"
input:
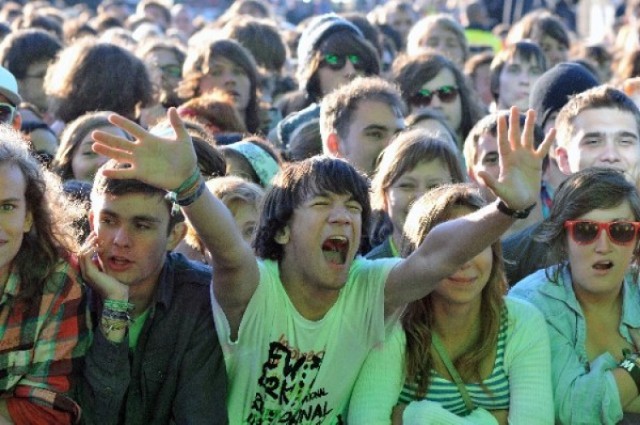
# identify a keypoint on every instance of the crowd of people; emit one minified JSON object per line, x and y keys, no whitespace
{"x":423,"y":214}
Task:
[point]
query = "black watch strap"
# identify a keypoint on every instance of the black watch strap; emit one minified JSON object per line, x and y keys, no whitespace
{"x":521,"y":214}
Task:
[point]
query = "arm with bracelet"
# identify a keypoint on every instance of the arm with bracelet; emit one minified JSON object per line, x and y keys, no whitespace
{"x":170,"y":163}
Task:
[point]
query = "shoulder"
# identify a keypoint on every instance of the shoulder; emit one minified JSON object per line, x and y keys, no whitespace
{"x":187,"y":271}
{"x":65,"y":279}
{"x":364,"y":268}
{"x":522,"y":313}
{"x":533,"y":285}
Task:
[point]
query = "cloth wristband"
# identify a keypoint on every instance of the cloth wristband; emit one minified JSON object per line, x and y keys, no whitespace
{"x":630,"y":364}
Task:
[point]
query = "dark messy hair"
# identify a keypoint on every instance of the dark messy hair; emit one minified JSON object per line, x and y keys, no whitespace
{"x":295,"y":184}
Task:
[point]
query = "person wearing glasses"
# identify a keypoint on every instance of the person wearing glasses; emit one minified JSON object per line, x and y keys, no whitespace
{"x":514,"y":71}
{"x":590,"y":297}
{"x":431,"y":81}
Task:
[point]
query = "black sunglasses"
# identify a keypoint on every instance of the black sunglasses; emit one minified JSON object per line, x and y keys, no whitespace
{"x":337,"y":62}
{"x":446,"y":94}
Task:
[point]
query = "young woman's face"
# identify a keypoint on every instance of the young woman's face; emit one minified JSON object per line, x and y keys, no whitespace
{"x":450,"y":108}
{"x":85,"y":162}
{"x":246,"y":218}
{"x":516,"y":80}
{"x":337,"y":70}
{"x":446,"y":43}
{"x":15,"y":220}
{"x":229,"y":77}
{"x":554,"y":51}
{"x":466,"y":284}
{"x":598,"y":268}
{"x":411,"y":185}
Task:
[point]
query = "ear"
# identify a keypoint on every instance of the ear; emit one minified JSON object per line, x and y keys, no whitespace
{"x":176,"y":235}
{"x":283,"y":235}
{"x":17,"y":121}
{"x":333,"y":145}
{"x":562,"y":158}
{"x":28,"y":222}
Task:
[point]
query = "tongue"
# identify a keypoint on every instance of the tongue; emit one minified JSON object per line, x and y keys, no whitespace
{"x":334,"y":251}
{"x":602,"y":266}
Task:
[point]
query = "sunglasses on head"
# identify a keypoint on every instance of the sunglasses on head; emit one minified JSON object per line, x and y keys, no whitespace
{"x":7,"y":113}
{"x":337,"y":62}
{"x":585,"y":232}
{"x":446,"y":94}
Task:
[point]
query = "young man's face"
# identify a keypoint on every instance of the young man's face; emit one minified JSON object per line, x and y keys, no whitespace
{"x":321,"y":241}
{"x":371,"y":127}
{"x":486,"y":159}
{"x":602,"y":137}
{"x":133,"y":236}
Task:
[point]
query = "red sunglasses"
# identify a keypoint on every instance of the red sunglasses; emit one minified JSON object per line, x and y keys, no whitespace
{"x":585,"y":232}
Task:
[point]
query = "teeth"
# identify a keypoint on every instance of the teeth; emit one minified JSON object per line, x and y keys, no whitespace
{"x":338,"y":238}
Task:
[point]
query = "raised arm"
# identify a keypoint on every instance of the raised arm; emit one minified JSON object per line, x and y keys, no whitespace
{"x":449,"y":245}
{"x":167,"y":163}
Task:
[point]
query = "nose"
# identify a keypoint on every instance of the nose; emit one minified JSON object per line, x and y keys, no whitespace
{"x":349,"y":70}
{"x":121,"y":238}
{"x":603,"y":244}
{"x":340,"y":215}
{"x":610,"y":153}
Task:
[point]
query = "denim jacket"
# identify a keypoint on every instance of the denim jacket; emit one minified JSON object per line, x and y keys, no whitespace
{"x":584,"y":393}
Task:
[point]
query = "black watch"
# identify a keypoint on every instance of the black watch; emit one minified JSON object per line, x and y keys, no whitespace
{"x":521,"y":214}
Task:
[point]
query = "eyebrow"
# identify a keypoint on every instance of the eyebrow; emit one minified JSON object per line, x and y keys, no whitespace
{"x":618,"y":133}
{"x":10,"y":200}
{"x":142,"y":217}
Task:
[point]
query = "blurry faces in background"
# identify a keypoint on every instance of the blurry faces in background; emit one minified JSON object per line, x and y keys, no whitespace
{"x":168,"y":69}
{"x":440,"y":94}
{"x":31,"y":87}
{"x":554,"y":50}
{"x":517,"y":77}
{"x":370,"y":130}
{"x":446,"y":43}
{"x":231,"y":78}
{"x":601,"y":137}
{"x":399,"y":197}
{"x":598,"y":268}
{"x":338,"y":69}
{"x":85,"y":162}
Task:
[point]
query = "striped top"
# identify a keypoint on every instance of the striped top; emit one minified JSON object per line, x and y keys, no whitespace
{"x":446,"y":392}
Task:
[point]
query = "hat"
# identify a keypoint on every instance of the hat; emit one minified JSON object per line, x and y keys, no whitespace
{"x":316,"y":31}
{"x":9,"y":86}
{"x":554,"y":88}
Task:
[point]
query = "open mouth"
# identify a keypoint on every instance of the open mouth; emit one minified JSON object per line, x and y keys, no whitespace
{"x":335,"y":249}
{"x":603,"y":265}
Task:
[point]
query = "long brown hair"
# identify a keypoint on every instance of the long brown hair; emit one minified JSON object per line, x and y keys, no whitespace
{"x":433,"y":208}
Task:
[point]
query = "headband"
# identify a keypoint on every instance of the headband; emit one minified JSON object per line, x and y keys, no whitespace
{"x":261,"y":161}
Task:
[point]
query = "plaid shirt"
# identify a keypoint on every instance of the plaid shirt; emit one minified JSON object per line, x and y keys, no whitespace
{"x":40,"y":342}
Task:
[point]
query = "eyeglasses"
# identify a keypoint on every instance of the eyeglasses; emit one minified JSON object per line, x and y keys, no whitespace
{"x":7,"y":113}
{"x":446,"y":94}
{"x":172,"y":70}
{"x":585,"y":232}
{"x":337,"y":62}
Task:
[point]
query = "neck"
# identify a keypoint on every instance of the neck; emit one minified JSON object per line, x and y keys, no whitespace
{"x":310,"y":301}
{"x":456,"y":323}
{"x":604,"y":303}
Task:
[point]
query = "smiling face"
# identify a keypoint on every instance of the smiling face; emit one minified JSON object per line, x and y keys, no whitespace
{"x":229,"y":77}
{"x":410,"y":186}
{"x":320,"y":242}
{"x":15,"y":220}
{"x":597,"y":269}
{"x":133,"y":236}
{"x":466,"y":284}
{"x":601,"y":137}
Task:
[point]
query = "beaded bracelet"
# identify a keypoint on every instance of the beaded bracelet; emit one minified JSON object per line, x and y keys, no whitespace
{"x":118,"y":305}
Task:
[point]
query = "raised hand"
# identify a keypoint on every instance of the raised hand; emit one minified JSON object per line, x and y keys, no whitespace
{"x":164,"y":162}
{"x":518,"y":184}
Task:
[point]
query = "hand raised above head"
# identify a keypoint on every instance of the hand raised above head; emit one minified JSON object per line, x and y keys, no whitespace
{"x":164,"y":162}
{"x":518,"y":184}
